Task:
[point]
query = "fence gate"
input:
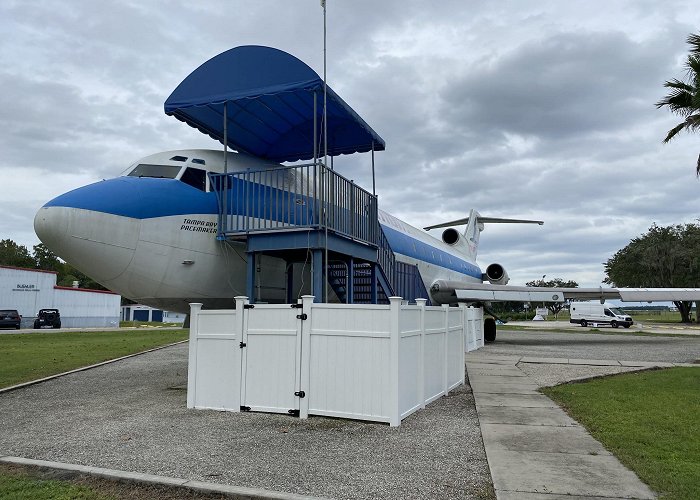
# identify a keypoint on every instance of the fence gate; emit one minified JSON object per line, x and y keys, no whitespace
{"x":270,"y":358}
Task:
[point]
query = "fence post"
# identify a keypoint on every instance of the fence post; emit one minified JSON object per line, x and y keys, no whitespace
{"x":307,"y":302}
{"x":239,"y":326}
{"x":192,"y":356}
{"x":445,"y":350}
{"x":466,"y":325}
{"x":421,"y":361}
{"x":394,"y":334}
{"x":480,"y":325}
{"x":465,"y":341}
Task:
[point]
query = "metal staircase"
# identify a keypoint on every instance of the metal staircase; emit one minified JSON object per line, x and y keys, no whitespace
{"x":394,"y":278}
{"x":288,"y":211}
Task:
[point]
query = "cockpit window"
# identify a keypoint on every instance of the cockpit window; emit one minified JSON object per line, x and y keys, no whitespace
{"x":178,"y":158}
{"x":160,"y":171}
{"x":195,"y":177}
{"x":199,"y":161}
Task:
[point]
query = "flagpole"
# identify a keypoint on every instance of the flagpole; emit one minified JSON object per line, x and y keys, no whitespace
{"x":325,"y":151}
{"x":325,"y":90}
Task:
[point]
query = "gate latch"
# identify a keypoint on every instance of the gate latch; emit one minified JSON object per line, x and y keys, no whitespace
{"x":242,"y":345}
{"x":302,"y":316}
{"x":245,"y":408}
{"x":248,"y":306}
{"x":293,"y":413}
{"x":301,"y":394}
{"x":296,"y":306}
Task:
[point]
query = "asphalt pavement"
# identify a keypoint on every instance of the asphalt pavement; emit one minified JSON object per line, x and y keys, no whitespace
{"x":609,"y":344}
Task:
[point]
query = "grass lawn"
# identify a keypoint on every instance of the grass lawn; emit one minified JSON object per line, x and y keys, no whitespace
{"x":26,"y":483}
{"x":650,"y":420}
{"x":18,"y":486}
{"x":658,"y":316}
{"x":29,"y":356}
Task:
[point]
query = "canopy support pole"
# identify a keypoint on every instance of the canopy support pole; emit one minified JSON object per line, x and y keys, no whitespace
{"x":224,"y":218}
{"x":374,"y":193}
{"x":315,"y":130}
{"x":226,"y":137}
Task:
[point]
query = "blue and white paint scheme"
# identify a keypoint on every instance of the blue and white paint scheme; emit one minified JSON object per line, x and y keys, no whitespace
{"x":150,"y":235}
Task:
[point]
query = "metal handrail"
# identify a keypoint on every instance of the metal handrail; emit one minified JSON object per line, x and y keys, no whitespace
{"x":294,"y":197}
{"x":386,"y":258}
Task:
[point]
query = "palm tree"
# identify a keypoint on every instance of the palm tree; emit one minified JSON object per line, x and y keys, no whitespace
{"x":684,"y":99}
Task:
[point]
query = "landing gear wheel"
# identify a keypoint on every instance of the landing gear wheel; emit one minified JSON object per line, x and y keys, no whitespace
{"x":489,"y":330}
{"x":584,"y":323}
{"x":614,"y":324}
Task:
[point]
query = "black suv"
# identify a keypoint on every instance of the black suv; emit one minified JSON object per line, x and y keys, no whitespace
{"x":48,"y":317}
{"x":10,"y":317}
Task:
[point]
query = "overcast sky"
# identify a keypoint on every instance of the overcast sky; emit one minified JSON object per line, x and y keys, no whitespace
{"x":537,"y":109}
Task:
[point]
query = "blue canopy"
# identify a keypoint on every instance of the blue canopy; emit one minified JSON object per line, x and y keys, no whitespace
{"x":270,"y":106}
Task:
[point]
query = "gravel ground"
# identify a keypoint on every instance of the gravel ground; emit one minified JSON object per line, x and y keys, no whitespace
{"x":132,"y":415}
{"x":549,"y":375}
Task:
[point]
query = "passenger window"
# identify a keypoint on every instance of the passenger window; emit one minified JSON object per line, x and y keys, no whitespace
{"x":195,"y":177}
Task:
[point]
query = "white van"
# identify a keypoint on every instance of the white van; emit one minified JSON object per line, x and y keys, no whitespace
{"x":585,"y":313}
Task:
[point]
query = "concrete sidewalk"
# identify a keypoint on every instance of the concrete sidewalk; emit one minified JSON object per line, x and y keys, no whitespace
{"x":534,"y":450}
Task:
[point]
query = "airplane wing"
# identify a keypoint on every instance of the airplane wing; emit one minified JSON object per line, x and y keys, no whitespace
{"x":499,"y":293}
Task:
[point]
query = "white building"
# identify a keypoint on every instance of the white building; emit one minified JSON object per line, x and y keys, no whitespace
{"x":29,"y":290}
{"x":139,"y":312}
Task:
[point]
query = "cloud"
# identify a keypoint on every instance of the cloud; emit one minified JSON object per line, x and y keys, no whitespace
{"x":540,"y":110}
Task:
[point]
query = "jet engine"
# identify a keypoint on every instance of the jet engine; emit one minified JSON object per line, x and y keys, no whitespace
{"x":452,"y":237}
{"x":496,"y":274}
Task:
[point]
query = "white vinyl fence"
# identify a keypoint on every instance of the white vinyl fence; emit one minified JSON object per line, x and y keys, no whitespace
{"x":365,"y":362}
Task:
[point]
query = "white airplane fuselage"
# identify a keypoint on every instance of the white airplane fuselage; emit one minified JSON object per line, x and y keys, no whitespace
{"x":150,"y":235}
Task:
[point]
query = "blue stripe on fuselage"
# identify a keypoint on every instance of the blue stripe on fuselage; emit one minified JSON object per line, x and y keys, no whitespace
{"x":139,"y":198}
{"x":405,"y":244}
{"x":146,"y":198}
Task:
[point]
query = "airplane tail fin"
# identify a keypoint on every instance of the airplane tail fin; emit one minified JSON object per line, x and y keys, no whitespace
{"x":475,"y":224}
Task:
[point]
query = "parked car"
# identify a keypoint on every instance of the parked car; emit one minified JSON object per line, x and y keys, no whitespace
{"x":10,"y":318}
{"x":48,"y":317}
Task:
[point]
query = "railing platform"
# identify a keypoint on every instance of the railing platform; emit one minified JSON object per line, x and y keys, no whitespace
{"x":294,"y":198}
{"x":291,"y":211}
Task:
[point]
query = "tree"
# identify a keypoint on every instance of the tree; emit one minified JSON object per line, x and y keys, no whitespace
{"x":45,"y":259}
{"x":554,"y":307}
{"x":684,"y":98}
{"x":12,"y":254}
{"x":664,"y":257}
{"x":71,"y":274}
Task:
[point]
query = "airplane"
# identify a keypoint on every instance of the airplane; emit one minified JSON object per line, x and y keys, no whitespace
{"x":160,"y":233}
{"x":151,"y":235}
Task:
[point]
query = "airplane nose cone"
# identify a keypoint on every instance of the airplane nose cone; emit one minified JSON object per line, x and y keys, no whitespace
{"x":85,"y":228}
{"x":50,"y":228}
